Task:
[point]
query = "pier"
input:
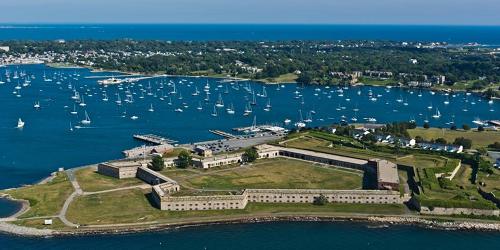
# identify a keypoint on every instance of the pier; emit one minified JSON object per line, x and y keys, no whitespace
{"x":224,"y":134}
{"x":155,"y":139}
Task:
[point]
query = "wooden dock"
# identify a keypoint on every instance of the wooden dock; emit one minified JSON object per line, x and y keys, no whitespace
{"x":155,"y":139}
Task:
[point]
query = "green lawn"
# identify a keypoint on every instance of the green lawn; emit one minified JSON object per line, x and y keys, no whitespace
{"x":132,"y":206}
{"x":285,"y":78}
{"x":45,"y":199}
{"x":91,"y":181}
{"x":479,"y":139}
{"x":376,"y":82}
{"x":278,"y":173}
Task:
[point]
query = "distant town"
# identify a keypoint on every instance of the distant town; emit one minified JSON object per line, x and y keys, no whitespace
{"x":436,"y":65}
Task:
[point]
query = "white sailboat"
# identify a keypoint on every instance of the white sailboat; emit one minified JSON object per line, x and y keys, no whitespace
{"x":230,"y":110}
{"x":74,"y":112}
{"x":214,"y":113}
{"x":268,"y":105}
{"x":86,"y":121}
{"x":151,"y":109}
{"x":20,"y":123}
{"x":437,"y":115}
{"x":37,"y":105}
{"x":220,"y":102}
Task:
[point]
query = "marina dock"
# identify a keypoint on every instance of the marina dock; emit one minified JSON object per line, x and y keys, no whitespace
{"x":155,"y":139}
{"x":223,"y":134}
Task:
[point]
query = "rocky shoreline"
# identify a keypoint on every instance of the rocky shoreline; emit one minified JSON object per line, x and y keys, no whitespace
{"x":370,"y":221}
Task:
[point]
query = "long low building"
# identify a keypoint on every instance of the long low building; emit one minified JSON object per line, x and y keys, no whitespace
{"x":239,"y":201}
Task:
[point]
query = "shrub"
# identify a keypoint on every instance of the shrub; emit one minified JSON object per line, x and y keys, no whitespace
{"x":480,"y":128}
{"x":426,"y":125}
{"x":466,"y":127}
{"x":441,"y":141}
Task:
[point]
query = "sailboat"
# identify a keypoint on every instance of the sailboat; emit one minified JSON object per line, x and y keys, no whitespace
{"x":70,"y":126}
{"x":151,"y":109}
{"x":437,"y":115}
{"x":37,"y":105}
{"x":199,"y":106}
{"x":82,"y":102}
{"x":20,"y":123}
{"x":230,"y":110}
{"x":254,"y":101}
{"x":268,"y":105}
{"x":220,"y":102}
{"x":74,"y":112}
{"x":214,"y":113}
{"x":86,"y":121}
{"x":300,"y":123}
{"x":248,"y":110}
{"x":308,"y":117}
{"x":105,"y":98}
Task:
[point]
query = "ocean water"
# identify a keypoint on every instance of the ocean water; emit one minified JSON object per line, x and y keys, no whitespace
{"x":280,"y":235}
{"x":452,"y":34}
{"x":47,"y":143}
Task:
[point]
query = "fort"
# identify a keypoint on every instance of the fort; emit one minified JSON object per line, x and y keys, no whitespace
{"x":165,"y":188}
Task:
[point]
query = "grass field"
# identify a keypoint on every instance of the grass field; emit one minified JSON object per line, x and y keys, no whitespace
{"x":278,"y":173}
{"x":45,"y":199}
{"x":91,"y":181}
{"x":321,"y":145}
{"x":492,"y":182}
{"x":132,"y":206}
{"x":479,"y":139}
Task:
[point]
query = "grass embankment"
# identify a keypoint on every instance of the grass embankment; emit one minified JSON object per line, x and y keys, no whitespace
{"x":91,"y":181}
{"x":479,"y":139}
{"x":45,"y":199}
{"x":278,"y":173}
{"x":132,"y":206}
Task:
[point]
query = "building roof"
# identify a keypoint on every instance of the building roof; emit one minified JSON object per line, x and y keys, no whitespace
{"x":387,"y":171}
{"x":322,"y":155}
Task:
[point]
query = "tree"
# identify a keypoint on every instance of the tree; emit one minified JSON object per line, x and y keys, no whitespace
{"x":419,"y":139}
{"x":495,"y":145}
{"x":441,"y":141}
{"x":157,"y":164}
{"x":320,"y":200}
{"x":453,"y":127}
{"x":426,"y":125}
{"x":184,"y":159}
{"x":480,"y":128}
{"x":466,"y":127}
{"x":250,"y":155}
{"x":464,"y":142}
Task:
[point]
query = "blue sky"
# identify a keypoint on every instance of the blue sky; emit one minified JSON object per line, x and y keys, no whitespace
{"x":456,"y":12}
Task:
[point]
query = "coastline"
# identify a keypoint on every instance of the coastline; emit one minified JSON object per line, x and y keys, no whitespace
{"x":372,"y":221}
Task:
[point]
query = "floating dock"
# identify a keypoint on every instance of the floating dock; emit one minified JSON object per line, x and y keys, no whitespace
{"x":224,"y":134}
{"x":155,"y":139}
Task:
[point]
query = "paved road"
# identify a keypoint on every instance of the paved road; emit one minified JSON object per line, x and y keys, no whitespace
{"x":78,"y":191}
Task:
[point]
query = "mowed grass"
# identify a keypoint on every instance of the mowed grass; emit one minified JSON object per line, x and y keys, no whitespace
{"x":278,"y":173}
{"x":132,"y":206}
{"x":479,"y":139}
{"x":45,"y":199}
{"x":423,"y":161}
{"x":492,"y":181}
{"x":91,"y":181}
